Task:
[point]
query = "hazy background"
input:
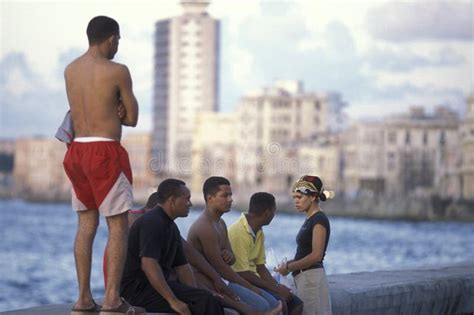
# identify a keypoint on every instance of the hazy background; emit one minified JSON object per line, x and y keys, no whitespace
{"x":382,"y":56}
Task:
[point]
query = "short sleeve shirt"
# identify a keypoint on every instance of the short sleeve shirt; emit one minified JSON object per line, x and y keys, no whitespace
{"x":154,"y":235}
{"x":304,"y":239}
{"x":248,"y":248}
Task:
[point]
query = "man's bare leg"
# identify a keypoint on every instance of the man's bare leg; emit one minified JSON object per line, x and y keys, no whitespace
{"x":88,"y":222}
{"x":241,"y":307}
{"x":116,"y":251}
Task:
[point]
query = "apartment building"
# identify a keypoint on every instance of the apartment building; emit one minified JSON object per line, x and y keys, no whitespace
{"x":7,"y":152}
{"x":142,"y":163}
{"x":186,"y":68}
{"x":273,"y":121}
{"x":415,"y":154}
{"x":213,"y":150}
{"x":38,"y":171}
{"x":467,"y":151}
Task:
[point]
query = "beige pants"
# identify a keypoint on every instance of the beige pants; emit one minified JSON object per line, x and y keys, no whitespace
{"x":313,"y":289}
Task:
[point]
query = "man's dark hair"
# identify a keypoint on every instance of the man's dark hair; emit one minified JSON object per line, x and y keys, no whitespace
{"x":100,"y":28}
{"x":211,"y":185}
{"x":152,"y":200}
{"x":168,"y":188}
{"x":260,"y":202}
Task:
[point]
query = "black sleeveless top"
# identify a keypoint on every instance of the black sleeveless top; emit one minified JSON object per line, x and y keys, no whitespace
{"x":304,"y":239}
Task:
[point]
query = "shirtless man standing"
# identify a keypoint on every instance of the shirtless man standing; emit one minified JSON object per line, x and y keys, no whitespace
{"x":208,"y":235}
{"x":96,"y":163}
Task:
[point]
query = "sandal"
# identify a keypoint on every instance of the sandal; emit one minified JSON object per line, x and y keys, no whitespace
{"x":93,"y":310}
{"x":125,"y":308}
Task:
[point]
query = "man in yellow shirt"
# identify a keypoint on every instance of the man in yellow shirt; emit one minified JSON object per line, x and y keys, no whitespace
{"x":248,"y":244}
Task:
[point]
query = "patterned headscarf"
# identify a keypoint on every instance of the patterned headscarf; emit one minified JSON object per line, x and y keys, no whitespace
{"x":305,"y":185}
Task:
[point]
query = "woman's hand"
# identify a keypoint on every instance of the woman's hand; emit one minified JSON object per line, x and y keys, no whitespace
{"x":282,"y":270}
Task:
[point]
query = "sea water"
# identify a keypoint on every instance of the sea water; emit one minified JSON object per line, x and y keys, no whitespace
{"x":37,"y":262}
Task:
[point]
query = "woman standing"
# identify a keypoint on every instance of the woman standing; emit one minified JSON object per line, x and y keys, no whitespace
{"x":312,"y":240}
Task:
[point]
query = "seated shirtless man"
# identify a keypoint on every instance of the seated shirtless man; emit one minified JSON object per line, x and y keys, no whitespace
{"x":208,"y":235}
{"x":96,"y":163}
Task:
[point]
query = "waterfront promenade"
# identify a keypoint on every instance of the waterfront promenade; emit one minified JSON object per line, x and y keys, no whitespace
{"x":430,"y":290}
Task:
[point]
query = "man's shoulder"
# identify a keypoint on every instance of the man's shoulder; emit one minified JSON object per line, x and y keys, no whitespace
{"x":72,"y":65}
{"x":118,"y":67}
{"x":222,"y":223}
{"x":200,"y":223}
{"x":150,"y":218}
{"x":236,"y":227}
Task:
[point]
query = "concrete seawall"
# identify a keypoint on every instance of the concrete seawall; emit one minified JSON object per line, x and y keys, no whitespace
{"x":429,"y":290}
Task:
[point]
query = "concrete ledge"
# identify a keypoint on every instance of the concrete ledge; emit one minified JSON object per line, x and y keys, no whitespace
{"x":58,"y":309}
{"x":429,"y":290}
{"x":65,"y":309}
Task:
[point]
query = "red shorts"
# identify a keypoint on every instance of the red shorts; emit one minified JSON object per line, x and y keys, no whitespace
{"x":100,"y":175}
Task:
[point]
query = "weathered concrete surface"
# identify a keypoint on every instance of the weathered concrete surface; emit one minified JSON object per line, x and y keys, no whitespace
{"x":65,"y":309}
{"x":60,"y":309}
{"x":429,"y":290}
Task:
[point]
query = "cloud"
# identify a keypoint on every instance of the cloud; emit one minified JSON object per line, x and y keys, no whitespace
{"x":386,"y":100}
{"x":397,"y":60}
{"x":422,"y":20}
{"x":404,"y":60}
{"x":27,"y":105}
{"x":273,"y":45}
{"x":30,"y":106}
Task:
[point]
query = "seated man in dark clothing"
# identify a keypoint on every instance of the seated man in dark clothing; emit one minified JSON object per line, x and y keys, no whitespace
{"x":155,"y":251}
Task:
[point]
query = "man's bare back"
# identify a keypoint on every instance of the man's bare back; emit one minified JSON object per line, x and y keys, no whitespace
{"x":101,"y":100}
{"x":95,"y":87}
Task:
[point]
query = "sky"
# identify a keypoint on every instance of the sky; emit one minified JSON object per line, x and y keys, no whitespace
{"x":381,"y":56}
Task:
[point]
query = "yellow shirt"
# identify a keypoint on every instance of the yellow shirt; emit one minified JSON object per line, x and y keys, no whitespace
{"x":249,"y":249}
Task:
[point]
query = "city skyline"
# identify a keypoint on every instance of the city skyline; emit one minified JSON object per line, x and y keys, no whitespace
{"x":382,"y":57}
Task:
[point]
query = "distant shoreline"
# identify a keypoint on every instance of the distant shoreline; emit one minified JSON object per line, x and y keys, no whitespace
{"x":357,"y":215}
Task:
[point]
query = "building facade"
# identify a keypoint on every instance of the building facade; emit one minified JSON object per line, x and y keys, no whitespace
{"x":186,"y":68}
{"x":38,"y":172}
{"x":275,"y":124}
{"x":467,"y":151}
{"x":142,"y":163}
{"x":213,"y":150}
{"x":7,"y":153}
{"x":411,"y":155}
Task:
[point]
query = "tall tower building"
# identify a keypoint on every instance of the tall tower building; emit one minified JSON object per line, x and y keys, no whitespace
{"x":186,"y":68}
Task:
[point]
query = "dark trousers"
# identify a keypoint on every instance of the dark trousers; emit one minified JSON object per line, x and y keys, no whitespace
{"x":199,"y":301}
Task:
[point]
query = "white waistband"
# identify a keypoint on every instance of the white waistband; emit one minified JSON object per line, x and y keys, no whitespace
{"x":92,"y":139}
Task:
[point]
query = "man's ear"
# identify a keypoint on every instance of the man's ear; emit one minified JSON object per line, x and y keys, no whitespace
{"x":111,"y":39}
{"x":208,"y":196}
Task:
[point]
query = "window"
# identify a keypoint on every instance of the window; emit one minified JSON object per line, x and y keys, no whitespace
{"x":425,"y":137}
{"x":442,"y":138}
{"x":408,"y":137}
{"x":390,"y":161}
{"x":317,"y":105}
{"x":392,"y":137}
{"x":321,"y":163}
